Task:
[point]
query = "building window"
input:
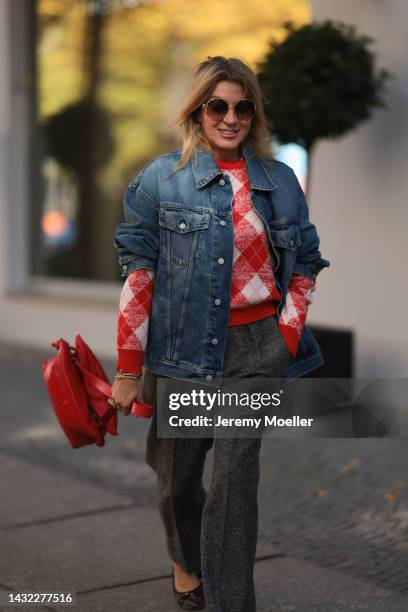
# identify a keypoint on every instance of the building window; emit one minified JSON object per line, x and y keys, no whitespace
{"x":109,"y":77}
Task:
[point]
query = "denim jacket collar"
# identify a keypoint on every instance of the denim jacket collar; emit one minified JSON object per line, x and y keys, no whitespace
{"x":205,"y":169}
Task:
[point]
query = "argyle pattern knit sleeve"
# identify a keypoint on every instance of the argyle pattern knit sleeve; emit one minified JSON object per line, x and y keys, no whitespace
{"x":133,"y":319}
{"x":293,"y":315}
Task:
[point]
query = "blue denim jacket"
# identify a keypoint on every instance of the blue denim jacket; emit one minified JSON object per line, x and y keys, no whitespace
{"x":182,"y":227}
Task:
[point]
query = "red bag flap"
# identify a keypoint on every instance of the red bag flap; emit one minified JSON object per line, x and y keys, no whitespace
{"x":98,"y":393}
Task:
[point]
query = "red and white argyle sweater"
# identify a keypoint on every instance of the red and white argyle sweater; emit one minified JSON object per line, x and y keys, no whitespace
{"x":254,"y":294}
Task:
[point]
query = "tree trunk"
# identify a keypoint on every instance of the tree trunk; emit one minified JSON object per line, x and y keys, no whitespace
{"x":88,"y":200}
{"x":309,"y":150}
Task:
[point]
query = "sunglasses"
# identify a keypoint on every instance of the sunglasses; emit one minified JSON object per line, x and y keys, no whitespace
{"x":217,"y":108}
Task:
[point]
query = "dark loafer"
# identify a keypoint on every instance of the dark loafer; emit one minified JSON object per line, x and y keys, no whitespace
{"x":190,"y":600}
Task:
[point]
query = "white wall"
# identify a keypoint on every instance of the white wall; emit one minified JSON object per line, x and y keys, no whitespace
{"x":359,"y":201}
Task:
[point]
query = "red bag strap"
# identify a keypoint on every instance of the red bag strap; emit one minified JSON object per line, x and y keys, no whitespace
{"x":97,"y":383}
{"x":138,"y":408}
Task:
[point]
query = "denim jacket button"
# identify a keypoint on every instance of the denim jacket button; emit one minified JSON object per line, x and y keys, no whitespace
{"x":209,"y":377}
{"x":221,"y":182}
{"x":182,"y":225}
{"x":214,"y":340}
{"x":124,"y":267}
{"x":222,"y":222}
{"x":217,"y":301}
{"x":220,"y":260}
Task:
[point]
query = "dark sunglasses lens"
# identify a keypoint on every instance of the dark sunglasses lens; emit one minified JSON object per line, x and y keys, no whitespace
{"x":217,"y":108}
{"x":245,"y":109}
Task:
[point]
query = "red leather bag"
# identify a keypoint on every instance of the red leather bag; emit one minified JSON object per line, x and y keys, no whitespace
{"x":79,"y":390}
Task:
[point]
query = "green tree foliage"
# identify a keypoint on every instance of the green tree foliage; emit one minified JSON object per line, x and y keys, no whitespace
{"x":320,"y":82}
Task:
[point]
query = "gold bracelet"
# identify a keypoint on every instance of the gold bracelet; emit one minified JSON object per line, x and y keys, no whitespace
{"x":130,"y":375}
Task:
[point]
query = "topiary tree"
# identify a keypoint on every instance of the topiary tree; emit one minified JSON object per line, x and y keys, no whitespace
{"x":320,"y":82}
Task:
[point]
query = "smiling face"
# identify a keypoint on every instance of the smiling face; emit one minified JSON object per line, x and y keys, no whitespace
{"x":226,"y":134}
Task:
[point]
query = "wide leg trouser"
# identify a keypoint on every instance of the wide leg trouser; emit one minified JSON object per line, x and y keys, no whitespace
{"x":217,"y":532}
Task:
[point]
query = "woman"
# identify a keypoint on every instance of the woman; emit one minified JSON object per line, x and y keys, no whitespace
{"x":220,"y":260}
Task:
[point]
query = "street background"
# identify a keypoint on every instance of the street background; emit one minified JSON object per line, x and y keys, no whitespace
{"x":333,"y":519}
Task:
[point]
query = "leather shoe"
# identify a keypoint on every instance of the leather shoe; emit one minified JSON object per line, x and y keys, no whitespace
{"x":190,"y":600}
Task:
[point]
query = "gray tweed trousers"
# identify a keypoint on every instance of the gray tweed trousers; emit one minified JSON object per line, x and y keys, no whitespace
{"x":216,"y":532}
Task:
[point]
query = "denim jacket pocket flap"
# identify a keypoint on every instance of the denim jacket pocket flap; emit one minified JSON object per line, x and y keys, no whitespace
{"x":279,"y":223}
{"x":182,"y":220}
{"x":288,"y":238}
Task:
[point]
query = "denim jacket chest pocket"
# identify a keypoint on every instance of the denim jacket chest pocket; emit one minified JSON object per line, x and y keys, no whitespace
{"x":182,"y":233}
{"x":285,"y":234}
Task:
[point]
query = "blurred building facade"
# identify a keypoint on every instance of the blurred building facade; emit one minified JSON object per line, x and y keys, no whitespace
{"x":357,"y":195}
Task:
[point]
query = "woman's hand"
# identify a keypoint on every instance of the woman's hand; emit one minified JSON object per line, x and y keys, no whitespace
{"x":125,"y":391}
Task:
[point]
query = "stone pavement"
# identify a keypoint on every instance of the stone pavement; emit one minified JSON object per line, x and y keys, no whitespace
{"x":332,"y":530}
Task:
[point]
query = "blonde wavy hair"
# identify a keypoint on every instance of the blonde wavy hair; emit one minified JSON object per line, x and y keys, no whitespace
{"x":205,"y":78}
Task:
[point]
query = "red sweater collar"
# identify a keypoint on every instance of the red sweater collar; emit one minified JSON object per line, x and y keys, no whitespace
{"x":229,"y":165}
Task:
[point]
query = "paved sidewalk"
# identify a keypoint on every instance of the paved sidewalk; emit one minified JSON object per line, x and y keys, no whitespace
{"x":86,"y":520}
